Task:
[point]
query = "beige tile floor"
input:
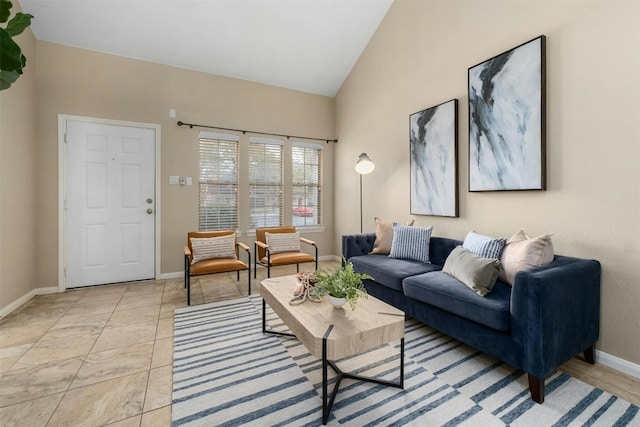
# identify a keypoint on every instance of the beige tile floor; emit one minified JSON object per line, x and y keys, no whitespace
{"x":103,"y":355}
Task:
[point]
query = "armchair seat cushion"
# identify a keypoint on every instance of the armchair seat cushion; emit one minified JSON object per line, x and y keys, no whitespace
{"x":285,"y":258}
{"x":218,"y":265}
{"x":448,"y":293}
{"x":388,"y":271}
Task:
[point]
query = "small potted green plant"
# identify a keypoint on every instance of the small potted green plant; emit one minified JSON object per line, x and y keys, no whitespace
{"x":341,"y":285}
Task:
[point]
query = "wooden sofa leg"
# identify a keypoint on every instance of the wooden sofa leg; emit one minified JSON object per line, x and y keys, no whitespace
{"x":590,"y":355}
{"x":536,"y":387}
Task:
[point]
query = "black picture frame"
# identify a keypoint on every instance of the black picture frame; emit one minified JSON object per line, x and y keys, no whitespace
{"x":433,"y":142}
{"x":507,"y":120}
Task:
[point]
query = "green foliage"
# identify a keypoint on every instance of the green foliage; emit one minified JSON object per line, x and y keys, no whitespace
{"x":342,"y":283}
{"x":12,"y":61}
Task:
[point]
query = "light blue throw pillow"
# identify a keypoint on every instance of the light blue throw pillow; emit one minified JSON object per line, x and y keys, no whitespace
{"x":411,"y":242}
{"x":484,"y":246}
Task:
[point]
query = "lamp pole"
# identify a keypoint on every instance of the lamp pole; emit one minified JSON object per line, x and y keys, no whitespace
{"x":360,"y":203}
{"x":364,"y":166}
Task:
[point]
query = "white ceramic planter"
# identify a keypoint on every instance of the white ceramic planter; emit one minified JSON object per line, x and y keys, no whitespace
{"x":336,"y":302}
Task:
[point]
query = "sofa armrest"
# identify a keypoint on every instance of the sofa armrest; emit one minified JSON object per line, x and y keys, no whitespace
{"x":556,"y":312}
{"x":357,"y":244}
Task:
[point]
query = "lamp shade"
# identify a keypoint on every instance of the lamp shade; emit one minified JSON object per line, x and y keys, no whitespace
{"x":364,"y":165}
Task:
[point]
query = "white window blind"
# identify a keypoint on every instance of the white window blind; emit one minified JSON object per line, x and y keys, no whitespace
{"x":265,"y":182}
{"x":307,"y":184}
{"x":218,"y":183}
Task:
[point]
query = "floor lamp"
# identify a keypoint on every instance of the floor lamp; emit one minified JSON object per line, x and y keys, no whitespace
{"x":364,"y":165}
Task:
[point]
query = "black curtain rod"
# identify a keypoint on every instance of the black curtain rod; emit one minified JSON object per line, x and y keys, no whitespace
{"x":192,"y":125}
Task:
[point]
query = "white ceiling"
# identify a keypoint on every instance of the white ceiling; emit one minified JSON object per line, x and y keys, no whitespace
{"x":307,"y":45}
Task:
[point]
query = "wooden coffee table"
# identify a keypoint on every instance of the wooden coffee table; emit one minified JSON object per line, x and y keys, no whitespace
{"x":331,"y":334}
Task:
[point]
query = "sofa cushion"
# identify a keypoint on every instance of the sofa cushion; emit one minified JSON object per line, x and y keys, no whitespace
{"x":477,"y":273}
{"x":447,"y":293}
{"x":388,"y":271}
{"x":484,"y":246}
{"x":411,"y":243}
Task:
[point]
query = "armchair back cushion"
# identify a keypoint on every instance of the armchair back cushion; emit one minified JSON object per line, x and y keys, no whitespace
{"x":206,"y":245}
{"x":261,"y":236}
{"x":213,"y":247}
{"x":283,"y":242}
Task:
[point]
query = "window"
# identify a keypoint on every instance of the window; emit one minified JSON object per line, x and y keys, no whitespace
{"x":218,"y":181}
{"x":265,"y":182}
{"x":307,"y":184}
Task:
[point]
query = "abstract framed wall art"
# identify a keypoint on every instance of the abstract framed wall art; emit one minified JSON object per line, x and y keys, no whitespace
{"x":507,"y":120}
{"x":434,"y":160}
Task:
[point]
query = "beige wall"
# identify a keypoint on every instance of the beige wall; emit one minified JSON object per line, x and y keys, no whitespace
{"x":17,"y":178}
{"x":85,"y":83}
{"x":419,"y":57}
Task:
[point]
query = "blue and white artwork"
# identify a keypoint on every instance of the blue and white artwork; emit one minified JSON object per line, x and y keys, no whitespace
{"x":506,"y":120}
{"x":434,"y":143}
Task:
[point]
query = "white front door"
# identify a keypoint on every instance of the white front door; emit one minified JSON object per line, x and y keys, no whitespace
{"x":109,"y":217}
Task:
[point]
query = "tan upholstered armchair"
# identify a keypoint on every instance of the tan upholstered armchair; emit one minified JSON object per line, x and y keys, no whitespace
{"x":277,"y":246}
{"x":211,"y":252}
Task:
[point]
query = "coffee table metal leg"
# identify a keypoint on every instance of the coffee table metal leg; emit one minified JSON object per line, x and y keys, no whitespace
{"x":327,"y":405}
{"x":264,"y":323}
{"x":325,"y":378}
{"x":264,"y":316}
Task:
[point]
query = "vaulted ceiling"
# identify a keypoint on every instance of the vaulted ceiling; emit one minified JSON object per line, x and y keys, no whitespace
{"x":306,"y":45}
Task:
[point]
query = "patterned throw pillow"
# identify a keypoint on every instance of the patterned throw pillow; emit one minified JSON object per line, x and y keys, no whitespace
{"x":411,"y":242}
{"x":384,"y":236}
{"x":522,"y":252}
{"x":484,"y":246}
{"x":475,"y":272}
{"x":213,"y":247}
{"x":283,"y":242}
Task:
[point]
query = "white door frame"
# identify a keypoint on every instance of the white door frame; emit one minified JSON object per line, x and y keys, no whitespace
{"x":62,"y":173}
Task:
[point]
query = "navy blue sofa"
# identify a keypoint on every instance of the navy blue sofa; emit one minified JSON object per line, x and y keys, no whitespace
{"x":551,"y":313}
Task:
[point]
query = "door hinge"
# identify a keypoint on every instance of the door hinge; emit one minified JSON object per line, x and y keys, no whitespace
{"x":65,"y":138}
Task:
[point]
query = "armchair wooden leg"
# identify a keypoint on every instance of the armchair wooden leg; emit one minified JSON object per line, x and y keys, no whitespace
{"x":536,"y":388}
{"x":590,"y":355}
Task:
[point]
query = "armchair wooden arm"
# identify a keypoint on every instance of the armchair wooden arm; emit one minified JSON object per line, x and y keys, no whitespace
{"x":307,"y":241}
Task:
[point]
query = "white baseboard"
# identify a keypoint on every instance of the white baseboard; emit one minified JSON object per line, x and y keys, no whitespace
{"x":5,"y":311}
{"x":174,"y":275}
{"x":618,"y":364}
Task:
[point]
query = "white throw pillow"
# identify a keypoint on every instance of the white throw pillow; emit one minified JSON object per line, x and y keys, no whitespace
{"x":522,"y":252}
{"x":213,"y":247}
{"x":283,"y":242}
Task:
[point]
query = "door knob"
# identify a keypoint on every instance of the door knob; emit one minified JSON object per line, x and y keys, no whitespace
{"x":149,"y":200}
{"x":149,"y":211}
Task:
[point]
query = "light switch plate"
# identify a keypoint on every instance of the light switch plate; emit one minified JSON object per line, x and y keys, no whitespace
{"x":174,"y":180}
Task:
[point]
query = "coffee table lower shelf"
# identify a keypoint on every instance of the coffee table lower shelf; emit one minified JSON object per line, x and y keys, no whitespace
{"x":327,"y":401}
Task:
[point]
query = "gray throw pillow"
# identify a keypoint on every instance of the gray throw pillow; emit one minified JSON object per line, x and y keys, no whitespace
{"x":477,"y":273}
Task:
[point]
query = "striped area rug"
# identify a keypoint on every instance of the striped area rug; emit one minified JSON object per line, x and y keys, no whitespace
{"x":227,"y":373}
